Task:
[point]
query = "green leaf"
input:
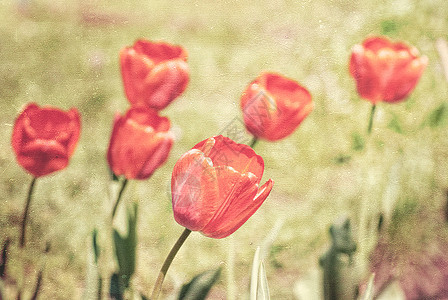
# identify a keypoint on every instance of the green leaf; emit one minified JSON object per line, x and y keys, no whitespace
{"x":4,"y":258}
{"x":96,"y":248}
{"x":263,"y":289}
{"x":199,"y":286}
{"x":125,"y":247}
{"x":438,"y":116}
{"x":116,"y":288}
{"x":357,"y":142}
{"x":368,"y":293}
{"x":258,"y":283}
{"x":93,"y":281}
{"x":394,"y":124}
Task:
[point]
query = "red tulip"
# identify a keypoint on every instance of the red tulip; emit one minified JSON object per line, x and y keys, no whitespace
{"x":154,"y":74}
{"x":215,"y":187}
{"x":140,"y":143}
{"x":274,"y":106}
{"x":45,"y":138}
{"x":385,"y":71}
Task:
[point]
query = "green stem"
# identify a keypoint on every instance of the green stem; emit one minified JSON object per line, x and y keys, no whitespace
{"x":372,"y":113}
{"x":25,"y":212}
{"x":253,"y":142}
{"x":167,"y":263}
{"x":123,"y":186}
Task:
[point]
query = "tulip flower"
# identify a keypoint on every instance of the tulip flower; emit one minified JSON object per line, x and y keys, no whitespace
{"x":43,"y":139}
{"x":140,"y":143}
{"x":154,"y":73}
{"x":385,"y":71}
{"x":215,"y":189}
{"x":274,"y":106}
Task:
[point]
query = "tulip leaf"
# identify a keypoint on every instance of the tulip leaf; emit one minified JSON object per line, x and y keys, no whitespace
{"x":93,"y":277}
{"x":258,"y":283}
{"x":263,"y":289}
{"x":368,"y":293}
{"x":116,"y":288}
{"x":388,"y":26}
{"x":96,"y":248}
{"x":394,"y":124}
{"x":4,"y":258}
{"x":125,"y":247}
{"x":200,"y":285}
{"x":438,"y":116}
{"x":357,"y":142}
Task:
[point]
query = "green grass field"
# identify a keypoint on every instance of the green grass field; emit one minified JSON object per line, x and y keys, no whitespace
{"x":66,"y":55}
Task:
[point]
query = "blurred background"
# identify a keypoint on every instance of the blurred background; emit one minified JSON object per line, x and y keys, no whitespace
{"x":65,"y":54}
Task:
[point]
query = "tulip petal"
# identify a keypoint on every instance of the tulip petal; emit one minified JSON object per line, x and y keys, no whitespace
{"x":225,"y":152}
{"x":238,"y":210}
{"x":165,"y":82}
{"x":194,"y":189}
{"x":158,"y":156}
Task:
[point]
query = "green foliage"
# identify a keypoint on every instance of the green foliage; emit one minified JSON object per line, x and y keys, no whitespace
{"x":358,"y":142}
{"x":259,"y":289}
{"x":96,"y":248}
{"x":200,"y":285}
{"x":395,"y":125}
{"x":125,"y":248}
{"x":438,"y":116}
{"x":388,"y":27}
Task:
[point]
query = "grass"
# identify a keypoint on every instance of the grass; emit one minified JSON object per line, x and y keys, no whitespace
{"x":66,"y":54}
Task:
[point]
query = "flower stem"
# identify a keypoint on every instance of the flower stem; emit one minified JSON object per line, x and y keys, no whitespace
{"x":25,"y":212}
{"x":167,"y":263}
{"x":372,"y":113}
{"x":253,"y":142}
{"x":123,"y":186}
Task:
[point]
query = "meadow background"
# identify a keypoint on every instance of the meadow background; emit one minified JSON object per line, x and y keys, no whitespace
{"x":65,"y":53}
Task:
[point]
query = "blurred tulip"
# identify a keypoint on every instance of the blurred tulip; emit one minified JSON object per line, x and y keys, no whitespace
{"x":140,"y":143}
{"x":385,"y":71}
{"x":45,"y":138}
{"x":274,"y":106}
{"x":215,"y":187}
{"x":154,"y":74}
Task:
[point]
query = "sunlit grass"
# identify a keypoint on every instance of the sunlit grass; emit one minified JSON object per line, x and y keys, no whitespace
{"x":52,"y":56}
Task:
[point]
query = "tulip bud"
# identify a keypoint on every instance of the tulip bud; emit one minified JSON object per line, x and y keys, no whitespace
{"x":385,"y":71}
{"x":154,"y":74}
{"x":274,"y":106}
{"x":44,"y":138}
{"x":140,"y":143}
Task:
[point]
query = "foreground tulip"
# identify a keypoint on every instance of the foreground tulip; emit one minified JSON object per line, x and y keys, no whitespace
{"x":215,"y":190}
{"x":274,"y":106}
{"x":385,"y":71}
{"x":215,"y":187}
{"x":154,"y":73}
{"x":140,"y":143}
{"x":45,"y":138}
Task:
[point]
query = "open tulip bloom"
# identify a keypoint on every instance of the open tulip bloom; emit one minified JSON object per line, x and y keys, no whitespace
{"x":44,"y":139}
{"x":274,"y":106}
{"x":215,"y":189}
{"x":385,"y":71}
{"x":154,"y":73}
